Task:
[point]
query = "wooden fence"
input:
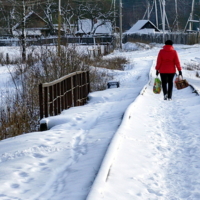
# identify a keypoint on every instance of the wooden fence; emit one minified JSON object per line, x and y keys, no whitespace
{"x":100,"y":50}
{"x":68,"y":91}
{"x":177,"y":38}
{"x":90,"y":40}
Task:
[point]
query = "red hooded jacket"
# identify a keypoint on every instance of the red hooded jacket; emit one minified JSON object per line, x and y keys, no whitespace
{"x":168,"y":60}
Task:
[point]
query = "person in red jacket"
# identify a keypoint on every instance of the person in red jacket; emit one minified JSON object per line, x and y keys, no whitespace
{"x":167,"y":63}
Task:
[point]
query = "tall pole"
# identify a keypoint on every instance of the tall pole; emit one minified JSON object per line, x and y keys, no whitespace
{"x":120,"y":22}
{"x":148,"y":8}
{"x":176,"y":9}
{"x":114,"y":15}
{"x":24,"y":33}
{"x":59,"y":25}
{"x":156,"y":13}
{"x":163,"y":20}
{"x":161,"y":12}
{"x":191,"y":16}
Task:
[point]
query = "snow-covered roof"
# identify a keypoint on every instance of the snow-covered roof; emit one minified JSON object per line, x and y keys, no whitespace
{"x":26,"y":17}
{"x":138,"y":27}
{"x":85,"y":26}
{"x":105,"y":28}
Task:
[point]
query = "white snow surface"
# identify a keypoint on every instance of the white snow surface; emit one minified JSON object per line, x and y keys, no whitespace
{"x":126,"y":143}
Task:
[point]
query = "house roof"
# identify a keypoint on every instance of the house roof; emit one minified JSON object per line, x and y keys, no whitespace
{"x":85,"y":26}
{"x":26,"y":17}
{"x":140,"y":24}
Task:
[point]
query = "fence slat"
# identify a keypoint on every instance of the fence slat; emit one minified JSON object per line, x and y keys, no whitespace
{"x":58,"y":97}
{"x":69,"y":88}
{"x":62,"y":97}
{"x":46,"y":100}
{"x":54,"y":99}
{"x":41,"y":100}
{"x":51,"y":100}
{"x":88,"y":82}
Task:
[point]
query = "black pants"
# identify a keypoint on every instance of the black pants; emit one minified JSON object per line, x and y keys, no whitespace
{"x":167,"y":84}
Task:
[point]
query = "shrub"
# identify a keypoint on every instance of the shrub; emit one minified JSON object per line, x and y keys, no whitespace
{"x":19,"y":112}
{"x":192,"y":66}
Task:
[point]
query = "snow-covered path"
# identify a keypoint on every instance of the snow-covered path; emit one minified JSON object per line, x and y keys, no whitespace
{"x":157,"y":158}
{"x":65,"y":160}
{"x":154,"y":153}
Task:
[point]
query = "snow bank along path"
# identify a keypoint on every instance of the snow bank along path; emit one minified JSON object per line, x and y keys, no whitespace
{"x":155,"y":153}
{"x":62,"y":162}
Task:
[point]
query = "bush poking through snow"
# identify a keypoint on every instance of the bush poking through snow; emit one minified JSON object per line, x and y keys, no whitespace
{"x":116,"y":63}
{"x":135,"y":46}
{"x":193,"y":67}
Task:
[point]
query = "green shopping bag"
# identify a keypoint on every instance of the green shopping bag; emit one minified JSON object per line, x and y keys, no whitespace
{"x":157,"y":86}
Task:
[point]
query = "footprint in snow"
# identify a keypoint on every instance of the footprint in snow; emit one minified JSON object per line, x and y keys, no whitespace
{"x":78,"y":118}
{"x":155,"y":192}
{"x":38,"y":155}
{"x":15,"y":186}
{"x":23,"y":174}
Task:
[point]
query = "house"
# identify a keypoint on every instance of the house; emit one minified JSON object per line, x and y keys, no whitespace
{"x":70,"y":29}
{"x":144,"y":27}
{"x":35,"y":26}
{"x":3,"y":33}
{"x":98,"y":27}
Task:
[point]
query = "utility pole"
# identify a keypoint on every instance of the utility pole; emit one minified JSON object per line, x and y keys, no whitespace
{"x":23,"y":34}
{"x":59,"y":25}
{"x":148,"y":10}
{"x":120,"y":22}
{"x":163,"y":20}
{"x":176,"y":9}
{"x":191,"y":16}
{"x":156,"y":13}
{"x":114,"y":8}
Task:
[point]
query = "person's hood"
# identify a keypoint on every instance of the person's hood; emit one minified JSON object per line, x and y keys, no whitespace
{"x":168,"y":47}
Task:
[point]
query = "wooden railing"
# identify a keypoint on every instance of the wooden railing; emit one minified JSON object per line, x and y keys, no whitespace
{"x":68,"y":91}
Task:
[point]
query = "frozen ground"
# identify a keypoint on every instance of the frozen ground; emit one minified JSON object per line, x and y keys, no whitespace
{"x":126,"y":143}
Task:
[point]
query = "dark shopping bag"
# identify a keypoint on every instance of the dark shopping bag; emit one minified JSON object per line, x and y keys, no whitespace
{"x":157,"y":86}
{"x":181,"y":83}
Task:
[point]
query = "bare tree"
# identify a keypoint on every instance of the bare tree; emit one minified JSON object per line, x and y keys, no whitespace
{"x":96,"y":12}
{"x":68,"y":14}
{"x":49,"y":9}
{"x":7,"y":15}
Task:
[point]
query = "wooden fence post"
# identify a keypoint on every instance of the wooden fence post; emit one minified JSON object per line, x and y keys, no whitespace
{"x":58,"y":97}
{"x":88,"y":81}
{"x":62,"y":95}
{"x":51,"y":100}
{"x":55,"y":100}
{"x":46,"y":113}
{"x":41,"y":100}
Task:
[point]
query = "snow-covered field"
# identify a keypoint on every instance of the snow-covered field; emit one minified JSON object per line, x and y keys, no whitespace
{"x":126,"y":143}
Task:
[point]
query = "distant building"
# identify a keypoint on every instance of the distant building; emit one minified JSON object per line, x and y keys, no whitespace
{"x":3,"y":33}
{"x":35,"y":26}
{"x":144,"y":27}
{"x":98,"y":27}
